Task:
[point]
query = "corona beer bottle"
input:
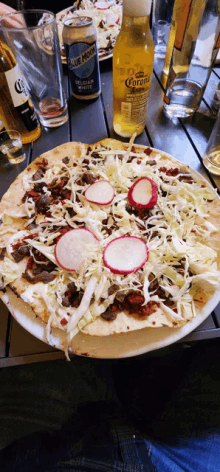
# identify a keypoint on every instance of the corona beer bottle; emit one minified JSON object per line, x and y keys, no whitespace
{"x":133,"y":59}
{"x":16,"y":109}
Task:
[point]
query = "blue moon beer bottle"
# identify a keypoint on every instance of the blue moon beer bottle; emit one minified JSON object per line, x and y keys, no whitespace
{"x":80,"y":42}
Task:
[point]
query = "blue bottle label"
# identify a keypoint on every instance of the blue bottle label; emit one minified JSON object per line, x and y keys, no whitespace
{"x":83,"y":67}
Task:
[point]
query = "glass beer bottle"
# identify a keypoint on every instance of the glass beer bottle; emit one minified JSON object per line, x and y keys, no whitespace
{"x":171,"y":40}
{"x":16,"y":109}
{"x":133,"y":59}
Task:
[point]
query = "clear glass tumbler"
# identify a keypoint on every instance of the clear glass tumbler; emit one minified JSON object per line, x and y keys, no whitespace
{"x":213,"y":98}
{"x":212,"y":154}
{"x":194,"y":43}
{"x":32,"y":36}
{"x":11,"y":146}
{"x":161,"y":18}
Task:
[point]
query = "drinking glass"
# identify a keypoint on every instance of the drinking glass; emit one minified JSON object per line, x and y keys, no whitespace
{"x":194,"y":44}
{"x":161,"y":18}
{"x":213,"y":97}
{"x":11,"y":146}
{"x":33,"y":38}
{"x":212,"y":154}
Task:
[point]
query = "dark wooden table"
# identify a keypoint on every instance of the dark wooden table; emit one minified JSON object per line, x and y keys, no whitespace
{"x":90,"y":122}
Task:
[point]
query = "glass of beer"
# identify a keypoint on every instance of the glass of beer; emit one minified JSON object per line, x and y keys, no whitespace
{"x":212,"y":154}
{"x":191,"y":52}
{"x":33,"y":39}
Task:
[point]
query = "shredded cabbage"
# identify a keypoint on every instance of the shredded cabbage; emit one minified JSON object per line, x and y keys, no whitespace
{"x":9,"y":270}
{"x":107,"y":22}
{"x":177,"y":231}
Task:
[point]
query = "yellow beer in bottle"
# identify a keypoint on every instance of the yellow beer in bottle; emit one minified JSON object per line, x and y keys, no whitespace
{"x":16,"y":109}
{"x":133,"y":59}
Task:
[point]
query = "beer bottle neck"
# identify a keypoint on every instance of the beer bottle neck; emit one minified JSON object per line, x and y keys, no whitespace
{"x":7,"y":59}
{"x":136,"y":8}
{"x":129,"y":21}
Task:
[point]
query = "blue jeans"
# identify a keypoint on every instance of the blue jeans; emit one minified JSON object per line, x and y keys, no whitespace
{"x":151,"y":413}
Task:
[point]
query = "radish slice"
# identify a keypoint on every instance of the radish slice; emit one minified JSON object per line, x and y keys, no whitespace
{"x":143,"y":193}
{"x":73,"y":247}
{"x":125,"y":255}
{"x":112,"y":19}
{"x":101,"y":192}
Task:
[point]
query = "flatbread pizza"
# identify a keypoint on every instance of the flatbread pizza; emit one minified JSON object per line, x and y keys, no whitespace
{"x":106,"y":16}
{"x":110,"y":238}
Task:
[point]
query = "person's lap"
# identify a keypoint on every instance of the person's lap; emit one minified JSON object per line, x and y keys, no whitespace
{"x":179,"y":409}
{"x":44,"y":396}
{"x":173,"y":401}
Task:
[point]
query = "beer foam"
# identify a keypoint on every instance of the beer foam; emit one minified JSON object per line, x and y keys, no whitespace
{"x":136,"y":8}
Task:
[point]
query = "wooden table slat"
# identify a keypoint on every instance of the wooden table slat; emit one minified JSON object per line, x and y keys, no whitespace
{"x":23,"y":343}
{"x":201,"y":335}
{"x":87,"y":120}
{"x":207,"y":324}
{"x":217,"y":70}
{"x":217,"y":314}
{"x":32,"y":358}
{"x":9,"y":172}
{"x":168,"y":135}
{"x":4,"y":318}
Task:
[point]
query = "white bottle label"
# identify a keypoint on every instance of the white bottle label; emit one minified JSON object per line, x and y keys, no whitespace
{"x":17,"y":86}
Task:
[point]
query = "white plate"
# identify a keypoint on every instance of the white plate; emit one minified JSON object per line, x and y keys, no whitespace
{"x":101,"y":57}
{"x":118,"y":345}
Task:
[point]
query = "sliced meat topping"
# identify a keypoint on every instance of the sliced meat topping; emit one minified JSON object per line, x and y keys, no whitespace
{"x":66,"y":160}
{"x":2,"y":253}
{"x":135,"y":299}
{"x":45,"y":277}
{"x":72,"y":287}
{"x":88,"y":150}
{"x":39,"y":268}
{"x":109,"y":315}
{"x":30,"y":194}
{"x":38,"y":175}
{"x":88,"y":178}
{"x":42,"y":165}
{"x":132,"y":302}
{"x":66,"y":302}
{"x":20,"y":253}
{"x":186,"y":178}
{"x":39,"y":187}
{"x":72,"y":297}
{"x":152,"y":162}
{"x":57,"y":188}
{"x":170,"y":172}
{"x":71,"y":212}
{"x":148,"y":151}
{"x":42,"y":204}
{"x":113,"y":289}
{"x":95,"y":154}
{"x":35,"y":268}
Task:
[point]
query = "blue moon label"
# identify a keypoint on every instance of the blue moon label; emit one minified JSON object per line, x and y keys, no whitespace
{"x":83,"y":68}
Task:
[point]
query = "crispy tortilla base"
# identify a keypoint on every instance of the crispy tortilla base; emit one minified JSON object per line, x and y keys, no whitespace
{"x":124,"y":322}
